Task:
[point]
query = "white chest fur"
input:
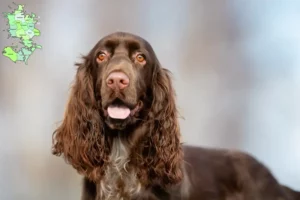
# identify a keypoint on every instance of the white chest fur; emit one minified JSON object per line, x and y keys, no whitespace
{"x":120,"y":179}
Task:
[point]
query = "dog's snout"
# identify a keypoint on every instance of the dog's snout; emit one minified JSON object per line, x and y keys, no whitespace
{"x":117,"y":80}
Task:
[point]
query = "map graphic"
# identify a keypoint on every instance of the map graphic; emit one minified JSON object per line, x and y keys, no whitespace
{"x":21,"y":26}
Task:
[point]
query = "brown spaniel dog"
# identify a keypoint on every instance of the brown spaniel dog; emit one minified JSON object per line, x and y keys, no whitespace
{"x":121,"y":132}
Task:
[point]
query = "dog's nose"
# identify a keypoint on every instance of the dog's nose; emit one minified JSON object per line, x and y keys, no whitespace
{"x":117,"y":80}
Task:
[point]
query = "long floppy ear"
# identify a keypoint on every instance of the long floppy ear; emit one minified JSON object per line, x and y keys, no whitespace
{"x":80,"y":137}
{"x":161,"y":153}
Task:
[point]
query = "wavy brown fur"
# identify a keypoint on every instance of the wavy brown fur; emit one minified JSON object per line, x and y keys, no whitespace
{"x":159,"y":154}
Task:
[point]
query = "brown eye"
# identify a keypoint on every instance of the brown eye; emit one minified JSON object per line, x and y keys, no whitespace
{"x":101,"y":57}
{"x":140,"y":58}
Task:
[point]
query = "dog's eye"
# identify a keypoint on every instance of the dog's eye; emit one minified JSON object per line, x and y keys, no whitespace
{"x":101,"y":57}
{"x":140,"y":58}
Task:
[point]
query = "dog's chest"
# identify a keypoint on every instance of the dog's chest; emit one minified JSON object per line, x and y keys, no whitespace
{"x":120,"y":180}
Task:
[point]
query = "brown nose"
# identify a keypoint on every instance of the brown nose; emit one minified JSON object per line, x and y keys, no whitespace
{"x":117,"y":80}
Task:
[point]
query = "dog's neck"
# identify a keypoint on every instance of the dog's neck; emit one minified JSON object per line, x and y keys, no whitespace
{"x":120,"y":178}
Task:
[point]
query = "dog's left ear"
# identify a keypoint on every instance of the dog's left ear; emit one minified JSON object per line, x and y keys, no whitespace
{"x":166,"y":131}
{"x":160,"y":150}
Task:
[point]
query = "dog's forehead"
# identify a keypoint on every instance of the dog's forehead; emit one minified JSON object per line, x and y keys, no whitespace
{"x":124,"y":39}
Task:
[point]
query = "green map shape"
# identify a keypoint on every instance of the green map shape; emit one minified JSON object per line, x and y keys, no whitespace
{"x":21,"y":26}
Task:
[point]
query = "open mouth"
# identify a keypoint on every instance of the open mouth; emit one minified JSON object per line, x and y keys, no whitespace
{"x":120,"y":110}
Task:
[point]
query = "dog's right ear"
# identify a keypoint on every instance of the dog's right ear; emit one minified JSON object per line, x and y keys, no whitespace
{"x":80,"y":137}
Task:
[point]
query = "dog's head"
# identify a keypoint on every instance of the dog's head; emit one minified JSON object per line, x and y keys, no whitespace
{"x":121,"y":89}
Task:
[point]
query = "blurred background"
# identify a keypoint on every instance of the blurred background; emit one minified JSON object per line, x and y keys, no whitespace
{"x":236,"y":67}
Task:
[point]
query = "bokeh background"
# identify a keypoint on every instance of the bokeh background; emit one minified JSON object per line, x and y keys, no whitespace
{"x":236,"y":67}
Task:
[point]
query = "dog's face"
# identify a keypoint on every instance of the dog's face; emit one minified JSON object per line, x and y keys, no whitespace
{"x":123,"y":76}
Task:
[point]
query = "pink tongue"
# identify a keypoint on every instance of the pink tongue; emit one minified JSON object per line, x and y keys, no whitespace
{"x":118,"y":112}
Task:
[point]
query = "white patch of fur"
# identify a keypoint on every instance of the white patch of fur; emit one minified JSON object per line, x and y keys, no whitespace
{"x":118,"y":170}
{"x":185,"y":186}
